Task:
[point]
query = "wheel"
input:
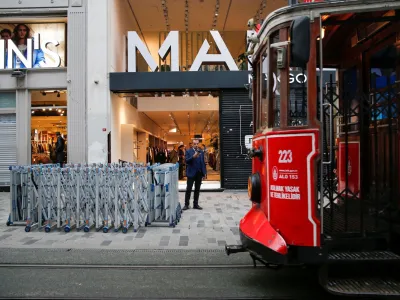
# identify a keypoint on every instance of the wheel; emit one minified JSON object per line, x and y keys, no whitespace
{"x":86,"y":229}
{"x":67,"y":229}
{"x":47,"y":229}
{"x":105,"y":230}
{"x":27,"y":228}
{"x":124,"y":230}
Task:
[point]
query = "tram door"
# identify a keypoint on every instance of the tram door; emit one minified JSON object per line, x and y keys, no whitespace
{"x":361,"y":147}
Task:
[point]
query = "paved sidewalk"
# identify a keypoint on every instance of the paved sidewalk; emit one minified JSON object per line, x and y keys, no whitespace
{"x":210,"y":228}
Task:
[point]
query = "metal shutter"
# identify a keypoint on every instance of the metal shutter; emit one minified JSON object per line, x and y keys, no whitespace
{"x":8,"y":146}
{"x":236,"y":115}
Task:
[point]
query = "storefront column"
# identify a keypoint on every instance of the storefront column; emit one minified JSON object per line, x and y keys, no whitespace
{"x":76,"y":78}
{"x":98,"y":95}
{"x":23,"y":115}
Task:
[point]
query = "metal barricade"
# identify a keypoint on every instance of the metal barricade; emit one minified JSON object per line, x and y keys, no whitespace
{"x":118,"y":196}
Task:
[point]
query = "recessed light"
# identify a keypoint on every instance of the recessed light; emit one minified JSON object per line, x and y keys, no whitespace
{"x":216,"y":14}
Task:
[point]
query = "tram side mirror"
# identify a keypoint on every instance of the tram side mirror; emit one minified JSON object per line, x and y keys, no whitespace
{"x":300,"y":42}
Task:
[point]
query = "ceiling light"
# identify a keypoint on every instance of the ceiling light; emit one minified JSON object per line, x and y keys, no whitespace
{"x":33,"y":112}
{"x":216,"y":14}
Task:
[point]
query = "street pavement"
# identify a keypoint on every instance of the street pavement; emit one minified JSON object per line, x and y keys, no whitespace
{"x":157,"y":262}
{"x":210,"y":228}
{"x":148,"y":274}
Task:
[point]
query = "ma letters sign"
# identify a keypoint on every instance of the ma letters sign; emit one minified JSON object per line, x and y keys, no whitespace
{"x":9,"y":51}
{"x":171,"y":45}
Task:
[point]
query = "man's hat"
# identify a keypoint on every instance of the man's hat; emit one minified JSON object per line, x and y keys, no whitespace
{"x":57,"y":133}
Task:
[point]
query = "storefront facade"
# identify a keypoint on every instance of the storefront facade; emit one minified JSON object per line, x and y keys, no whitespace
{"x":57,"y":67}
{"x":98,"y":97}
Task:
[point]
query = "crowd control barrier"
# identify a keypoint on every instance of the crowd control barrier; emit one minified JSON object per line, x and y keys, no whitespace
{"x":97,"y":196}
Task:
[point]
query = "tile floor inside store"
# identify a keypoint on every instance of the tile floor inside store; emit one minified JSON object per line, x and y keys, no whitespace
{"x":209,"y":228}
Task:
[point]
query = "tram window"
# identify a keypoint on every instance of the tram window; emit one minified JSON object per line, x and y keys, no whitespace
{"x":263,"y":93}
{"x":275,"y":74}
{"x":276,"y":90}
{"x":297,"y":97}
{"x":383,"y":90}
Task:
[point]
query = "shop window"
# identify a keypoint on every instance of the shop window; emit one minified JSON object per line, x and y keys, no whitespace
{"x":7,"y":100}
{"x":48,"y":127}
{"x":46,"y":39}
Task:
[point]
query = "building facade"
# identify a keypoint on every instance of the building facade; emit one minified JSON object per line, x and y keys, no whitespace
{"x":118,"y":79}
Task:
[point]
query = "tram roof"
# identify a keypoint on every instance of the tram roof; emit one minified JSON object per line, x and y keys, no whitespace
{"x":315,"y":9}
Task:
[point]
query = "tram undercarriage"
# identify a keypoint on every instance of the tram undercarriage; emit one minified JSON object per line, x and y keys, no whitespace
{"x":348,"y":223}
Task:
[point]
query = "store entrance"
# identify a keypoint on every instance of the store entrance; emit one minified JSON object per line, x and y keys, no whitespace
{"x":182,"y":117}
{"x":48,"y":124}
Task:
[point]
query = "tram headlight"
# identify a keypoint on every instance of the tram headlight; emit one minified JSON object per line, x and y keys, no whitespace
{"x":254,"y":187}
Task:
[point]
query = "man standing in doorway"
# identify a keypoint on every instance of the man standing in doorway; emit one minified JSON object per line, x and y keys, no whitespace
{"x":195,"y":172}
{"x":60,"y":149}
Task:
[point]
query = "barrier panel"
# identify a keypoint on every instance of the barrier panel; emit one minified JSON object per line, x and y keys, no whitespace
{"x":164,"y":194}
{"x":103,"y":197}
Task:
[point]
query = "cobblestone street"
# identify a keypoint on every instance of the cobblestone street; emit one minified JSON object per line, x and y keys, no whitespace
{"x":209,"y":228}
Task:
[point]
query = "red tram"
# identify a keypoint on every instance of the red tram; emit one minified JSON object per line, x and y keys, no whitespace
{"x":325,"y":180}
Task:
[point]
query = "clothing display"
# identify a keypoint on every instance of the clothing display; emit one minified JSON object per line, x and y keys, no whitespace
{"x":156,"y":154}
{"x":43,"y":148}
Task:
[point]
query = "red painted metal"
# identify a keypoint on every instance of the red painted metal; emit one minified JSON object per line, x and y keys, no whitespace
{"x":353,"y":167}
{"x":256,"y":226}
{"x":289,"y":189}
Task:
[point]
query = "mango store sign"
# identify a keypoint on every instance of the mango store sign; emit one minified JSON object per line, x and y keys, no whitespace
{"x":171,"y":46}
